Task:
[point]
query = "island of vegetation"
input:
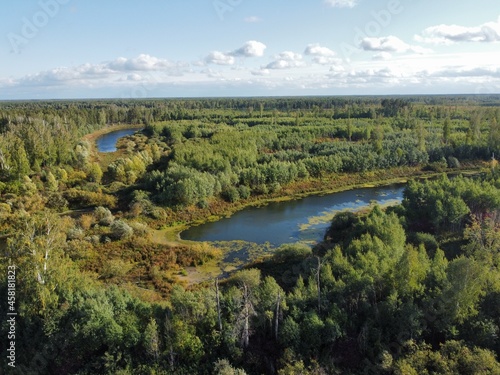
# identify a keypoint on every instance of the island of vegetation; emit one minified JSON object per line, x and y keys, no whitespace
{"x":104,"y":284}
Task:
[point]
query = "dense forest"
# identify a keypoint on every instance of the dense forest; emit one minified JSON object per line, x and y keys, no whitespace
{"x":100,"y":274}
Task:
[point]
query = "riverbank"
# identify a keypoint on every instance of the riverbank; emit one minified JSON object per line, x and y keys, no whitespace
{"x":105,"y":158}
{"x":218,"y":209}
{"x":238,"y":253}
{"x":92,"y":137}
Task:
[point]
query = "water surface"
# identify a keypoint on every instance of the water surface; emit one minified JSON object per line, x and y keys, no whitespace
{"x":303,"y":220}
{"x":107,"y":142}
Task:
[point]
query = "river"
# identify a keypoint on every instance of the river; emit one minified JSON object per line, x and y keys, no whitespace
{"x":303,"y":220}
{"x":107,"y":142}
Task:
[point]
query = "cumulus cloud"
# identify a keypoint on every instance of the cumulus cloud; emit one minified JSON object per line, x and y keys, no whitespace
{"x":120,"y":69}
{"x":321,"y":60}
{"x":252,"y":48}
{"x":389,"y":44}
{"x":388,"y":72}
{"x":342,"y":3}
{"x":142,"y":62}
{"x":321,"y":55}
{"x":219,"y":58}
{"x":317,"y":50}
{"x":448,"y":34}
{"x":286,"y":60}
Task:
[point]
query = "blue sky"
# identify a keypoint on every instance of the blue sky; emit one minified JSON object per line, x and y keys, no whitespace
{"x":178,"y":48}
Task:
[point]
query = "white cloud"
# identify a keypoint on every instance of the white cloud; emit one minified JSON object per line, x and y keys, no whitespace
{"x":322,"y":60}
{"x":382,"y":56}
{"x":389,"y":44}
{"x":212,"y":73}
{"x":322,"y":55}
{"x":142,"y":62}
{"x":251,"y":48}
{"x":134,"y":77}
{"x":342,"y":3}
{"x":286,"y":60}
{"x":151,"y":76}
{"x":448,"y":34}
{"x":317,"y":50}
{"x":261,"y":72}
{"x":219,"y":58}
{"x":120,"y":69}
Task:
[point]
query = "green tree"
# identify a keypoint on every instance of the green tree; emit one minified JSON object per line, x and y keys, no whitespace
{"x":152,"y":339}
{"x":20,"y":165}
{"x":94,"y":172}
{"x":494,"y":135}
{"x":446,"y":130}
{"x":52,"y":184}
{"x":223,"y":367}
{"x":474,"y":133}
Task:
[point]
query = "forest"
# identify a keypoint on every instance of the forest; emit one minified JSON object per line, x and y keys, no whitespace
{"x":101,"y":275}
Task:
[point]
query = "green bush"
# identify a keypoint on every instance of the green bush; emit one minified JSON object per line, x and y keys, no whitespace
{"x":57,"y":202}
{"x":453,"y":162}
{"x":231,"y":194}
{"x":244,"y":191}
{"x":82,"y":198}
{"x":121,"y":230}
{"x":292,"y":253}
{"x":103,"y":216}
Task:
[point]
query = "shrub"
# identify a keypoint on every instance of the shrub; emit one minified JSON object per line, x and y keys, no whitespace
{"x":244,"y":191}
{"x":75,"y":234}
{"x":5,"y":208}
{"x":261,"y":189}
{"x":292,"y":253}
{"x":202,"y":203}
{"x":57,"y":202}
{"x":158,"y":213}
{"x":274,"y":187}
{"x":140,"y":229}
{"x":116,"y":268}
{"x":86,"y":221}
{"x":103,"y":216}
{"x":82,"y":198}
{"x":94,"y":239}
{"x":121,"y":230}
{"x":453,"y":162}
{"x":231,"y":194}
{"x":94,"y":172}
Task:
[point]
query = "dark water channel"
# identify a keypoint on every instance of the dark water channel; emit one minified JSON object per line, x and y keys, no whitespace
{"x":107,"y":142}
{"x":303,"y":220}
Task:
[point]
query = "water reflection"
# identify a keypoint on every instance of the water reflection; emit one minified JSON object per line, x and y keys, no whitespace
{"x":302,"y":220}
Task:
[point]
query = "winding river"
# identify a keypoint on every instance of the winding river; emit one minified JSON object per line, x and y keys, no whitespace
{"x":107,"y":142}
{"x":303,"y":220}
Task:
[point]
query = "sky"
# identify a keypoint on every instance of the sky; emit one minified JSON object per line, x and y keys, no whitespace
{"x":73,"y":49}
